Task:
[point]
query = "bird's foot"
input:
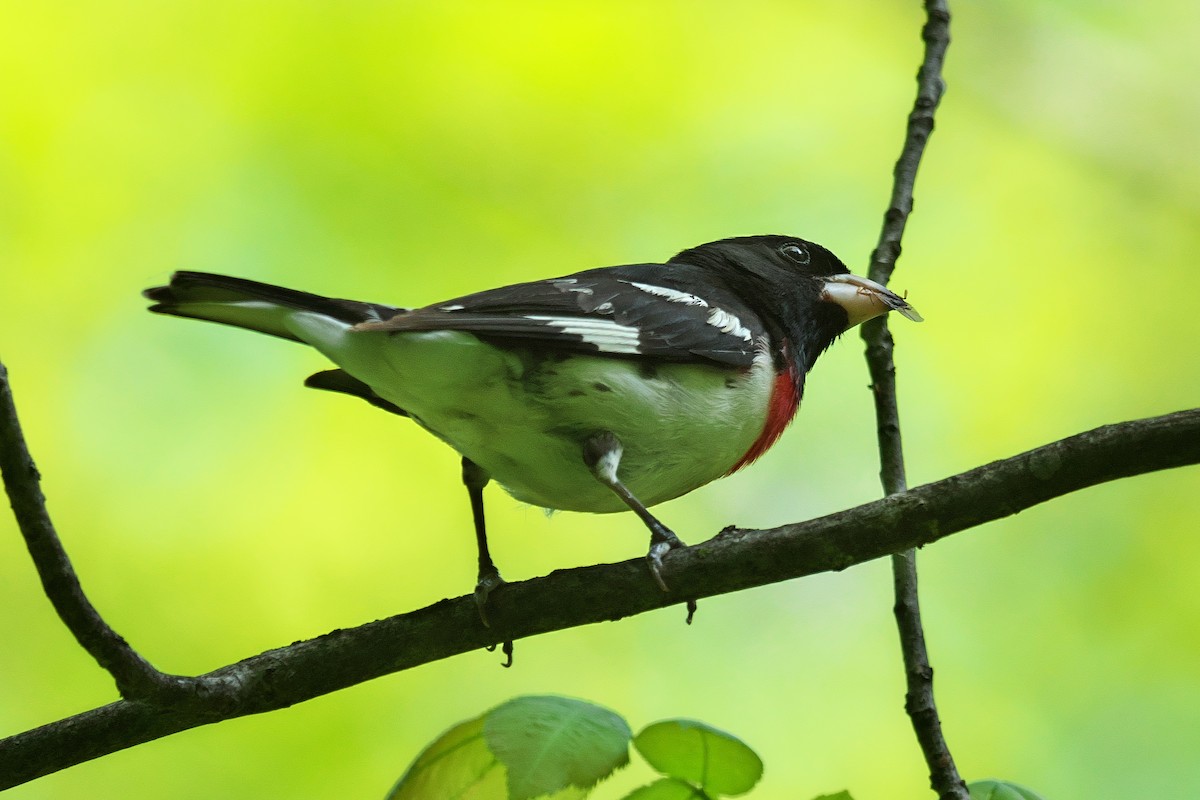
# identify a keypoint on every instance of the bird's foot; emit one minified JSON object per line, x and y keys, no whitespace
{"x":489,"y":580}
{"x":662,"y":541}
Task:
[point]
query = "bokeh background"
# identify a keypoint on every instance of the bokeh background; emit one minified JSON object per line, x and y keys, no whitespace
{"x":410,"y":151}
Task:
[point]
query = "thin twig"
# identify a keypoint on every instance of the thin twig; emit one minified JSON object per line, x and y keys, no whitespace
{"x":135,"y":677}
{"x":730,"y":562}
{"x":919,"y":700}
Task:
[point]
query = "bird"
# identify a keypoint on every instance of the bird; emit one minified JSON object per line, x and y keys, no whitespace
{"x":605,"y":390}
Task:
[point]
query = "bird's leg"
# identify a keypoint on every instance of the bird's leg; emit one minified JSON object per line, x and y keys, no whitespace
{"x":475,"y":478}
{"x":602,"y":454}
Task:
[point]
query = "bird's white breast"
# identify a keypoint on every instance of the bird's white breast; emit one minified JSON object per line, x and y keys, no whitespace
{"x":524,"y":417}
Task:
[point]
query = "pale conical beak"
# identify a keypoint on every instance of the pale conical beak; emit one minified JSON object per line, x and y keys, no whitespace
{"x":864,"y":299}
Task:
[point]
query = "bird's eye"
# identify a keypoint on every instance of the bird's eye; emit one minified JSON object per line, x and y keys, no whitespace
{"x":795,"y":252}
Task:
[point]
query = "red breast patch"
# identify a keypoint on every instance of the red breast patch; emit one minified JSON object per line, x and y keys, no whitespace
{"x":781,"y":408}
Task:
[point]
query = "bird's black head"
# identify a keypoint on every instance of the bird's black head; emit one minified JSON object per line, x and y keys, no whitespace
{"x":771,"y":258}
{"x":798,"y":286}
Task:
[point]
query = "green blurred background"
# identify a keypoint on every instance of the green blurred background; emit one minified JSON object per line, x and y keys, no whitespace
{"x":408,"y":152}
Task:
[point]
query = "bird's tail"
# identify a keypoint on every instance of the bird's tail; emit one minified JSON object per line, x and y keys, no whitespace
{"x":249,"y":304}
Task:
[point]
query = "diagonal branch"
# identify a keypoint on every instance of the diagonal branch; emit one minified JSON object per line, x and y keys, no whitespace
{"x":732,"y":561}
{"x":133,"y":674}
{"x":919,"y":699}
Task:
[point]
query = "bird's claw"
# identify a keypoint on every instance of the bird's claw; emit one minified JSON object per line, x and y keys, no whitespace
{"x":654,"y":559}
{"x":487,"y":583}
{"x":490,"y":580}
{"x":662,"y":541}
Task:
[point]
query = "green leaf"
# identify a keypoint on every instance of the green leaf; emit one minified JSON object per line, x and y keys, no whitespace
{"x":548,"y":744}
{"x":458,"y":764}
{"x":717,"y":762}
{"x":1000,"y":790}
{"x":667,"y":789}
{"x":842,"y":795}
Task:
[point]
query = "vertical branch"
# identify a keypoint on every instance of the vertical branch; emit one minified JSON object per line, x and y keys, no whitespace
{"x":930,"y":87}
{"x":919,"y":700}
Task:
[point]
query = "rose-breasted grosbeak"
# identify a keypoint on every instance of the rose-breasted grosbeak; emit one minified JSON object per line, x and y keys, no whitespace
{"x":609,"y":389}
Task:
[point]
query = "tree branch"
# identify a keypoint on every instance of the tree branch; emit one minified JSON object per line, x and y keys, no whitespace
{"x":930,"y":87}
{"x":732,"y":561}
{"x":919,"y":699}
{"x":135,"y":676}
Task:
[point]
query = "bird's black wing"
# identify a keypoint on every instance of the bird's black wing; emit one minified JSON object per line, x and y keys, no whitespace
{"x":673,"y":312}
